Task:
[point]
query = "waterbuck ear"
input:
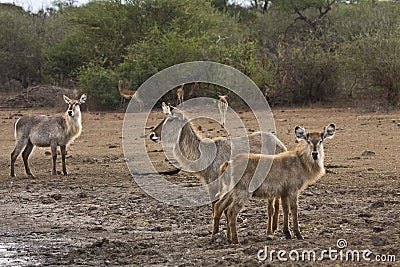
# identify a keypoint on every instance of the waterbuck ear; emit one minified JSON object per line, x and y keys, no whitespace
{"x":166,"y":109}
{"x":329,"y":131}
{"x":66,"y":99}
{"x":171,"y":107}
{"x":300,"y":133}
{"x":83,"y":99}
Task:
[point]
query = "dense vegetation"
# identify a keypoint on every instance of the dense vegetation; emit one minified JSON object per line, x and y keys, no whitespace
{"x":297,"y":52}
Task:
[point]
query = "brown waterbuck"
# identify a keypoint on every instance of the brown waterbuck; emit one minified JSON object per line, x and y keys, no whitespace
{"x":204,"y":156}
{"x":289,"y":174}
{"x":45,"y":131}
{"x":129,"y":94}
{"x":223,"y":108}
{"x":180,"y":94}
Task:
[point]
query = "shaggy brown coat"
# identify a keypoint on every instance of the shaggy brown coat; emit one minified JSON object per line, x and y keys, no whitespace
{"x":205,"y":155}
{"x":290,"y":172}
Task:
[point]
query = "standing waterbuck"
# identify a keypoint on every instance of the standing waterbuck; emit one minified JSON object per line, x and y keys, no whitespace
{"x":289,"y":174}
{"x":129,"y":94}
{"x":204,"y":156}
{"x":45,"y":131}
{"x":180,"y":94}
{"x":223,"y":108}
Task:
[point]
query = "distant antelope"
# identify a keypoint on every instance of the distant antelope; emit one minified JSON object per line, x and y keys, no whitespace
{"x":178,"y":131}
{"x":223,"y":107}
{"x":44,"y":131}
{"x":128,"y":94}
{"x":193,"y":86}
{"x":180,"y":94}
{"x":290,"y":173}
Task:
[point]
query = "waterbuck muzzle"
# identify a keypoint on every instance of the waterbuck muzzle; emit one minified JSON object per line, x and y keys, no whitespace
{"x":154,"y":137}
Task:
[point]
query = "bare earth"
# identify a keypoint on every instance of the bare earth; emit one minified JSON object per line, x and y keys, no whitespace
{"x":97,"y":215}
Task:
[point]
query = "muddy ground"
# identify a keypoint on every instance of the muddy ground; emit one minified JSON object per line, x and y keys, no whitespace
{"x":97,"y":215}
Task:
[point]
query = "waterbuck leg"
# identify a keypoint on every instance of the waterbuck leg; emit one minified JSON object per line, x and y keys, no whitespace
{"x":270,"y":208}
{"x":63,"y":153}
{"x":217,"y":212}
{"x":54,"y":155}
{"x":286,"y":208}
{"x":294,"y":209}
{"x":218,"y":208}
{"x":232,"y":214}
{"x":25,"y":155}
{"x":18,"y":148}
{"x":276,"y":215}
{"x":216,"y":227}
{"x":228,"y":229}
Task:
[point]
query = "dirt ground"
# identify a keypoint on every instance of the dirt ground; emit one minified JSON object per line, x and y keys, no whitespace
{"x":98,"y":216}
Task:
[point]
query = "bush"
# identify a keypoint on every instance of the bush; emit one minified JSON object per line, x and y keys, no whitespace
{"x":101,"y":86}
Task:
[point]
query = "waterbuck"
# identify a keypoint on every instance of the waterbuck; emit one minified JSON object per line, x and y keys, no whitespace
{"x":223,"y":108}
{"x":45,"y":131}
{"x":290,"y":173}
{"x":128,"y":94}
{"x":180,"y":94}
{"x":204,"y":156}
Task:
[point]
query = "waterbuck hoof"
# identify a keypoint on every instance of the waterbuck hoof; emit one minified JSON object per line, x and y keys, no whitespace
{"x":220,"y":239}
{"x":65,"y":173}
{"x":299,"y":236}
{"x":270,"y":237}
{"x":12,"y":175}
{"x":31,"y":176}
{"x":237,"y":243}
{"x":288,"y":234}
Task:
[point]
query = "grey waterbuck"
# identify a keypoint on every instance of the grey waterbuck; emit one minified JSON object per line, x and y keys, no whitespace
{"x":204,"y":155}
{"x":290,"y":173}
{"x":45,"y":131}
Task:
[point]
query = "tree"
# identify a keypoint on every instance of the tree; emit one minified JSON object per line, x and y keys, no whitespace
{"x":20,"y":57}
{"x":369,"y":49}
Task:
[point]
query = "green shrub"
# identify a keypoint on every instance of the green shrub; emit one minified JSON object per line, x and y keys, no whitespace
{"x":101,"y":86}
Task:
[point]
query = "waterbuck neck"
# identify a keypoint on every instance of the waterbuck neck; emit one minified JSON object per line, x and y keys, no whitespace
{"x":189,"y":142}
{"x":314,"y":168}
{"x":72,"y":125}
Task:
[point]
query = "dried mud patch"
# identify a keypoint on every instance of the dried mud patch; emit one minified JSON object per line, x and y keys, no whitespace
{"x":98,"y":216}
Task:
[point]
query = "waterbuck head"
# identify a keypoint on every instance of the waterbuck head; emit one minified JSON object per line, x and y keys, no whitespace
{"x":74,"y":105}
{"x":170,"y":128}
{"x":314,"y":139}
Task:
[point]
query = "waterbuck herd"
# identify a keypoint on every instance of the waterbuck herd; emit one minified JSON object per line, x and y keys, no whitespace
{"x":234,"y":169}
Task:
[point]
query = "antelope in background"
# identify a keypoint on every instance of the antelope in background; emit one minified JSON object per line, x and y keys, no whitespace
{"x":128,"y":94}
{"x":193,"y":86}
{"x":180,"y":94}
{"x":44,"y":131}
{"x":223,"y":107}
{"x":290,"y":173}
{"x":206,"y":155}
